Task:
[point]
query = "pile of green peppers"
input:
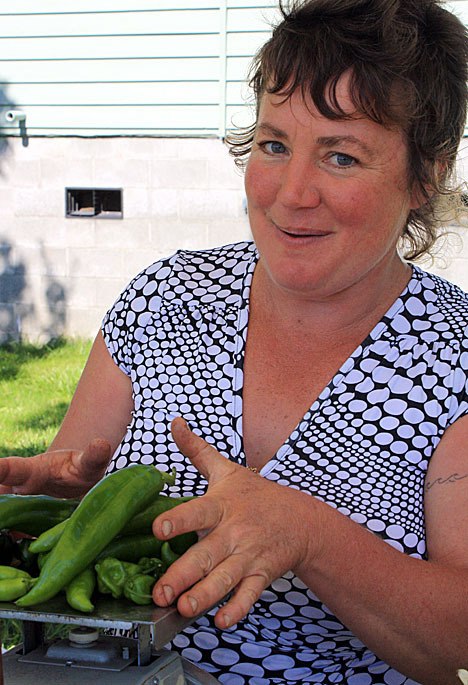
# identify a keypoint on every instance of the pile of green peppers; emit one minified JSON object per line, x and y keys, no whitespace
{"x":102,"y":544}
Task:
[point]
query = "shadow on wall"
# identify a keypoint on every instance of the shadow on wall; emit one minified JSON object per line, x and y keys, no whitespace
{"x":5,"y":105}
{"x":12,"y":285}
{"x":56,"y":300}
{"x":14,"y":309}
{"x":16,"y":303}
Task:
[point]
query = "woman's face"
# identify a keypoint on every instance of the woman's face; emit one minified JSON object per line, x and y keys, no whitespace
{"x":327,"y":199}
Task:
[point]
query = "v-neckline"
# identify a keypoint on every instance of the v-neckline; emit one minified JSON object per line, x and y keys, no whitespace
{"x":242,"y":326}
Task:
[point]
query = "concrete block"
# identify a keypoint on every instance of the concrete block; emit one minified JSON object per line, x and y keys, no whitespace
{"x":35,"y":202}
{"x":82,"y":291}
{"x":95,"y":262}
{"x":136,"y":203}
{"x":83,"y":322}
{"x":144,"y":148}
{"x":225,"y":232}
{"x":223,"y":174}
{"x":79,"y":232}
{"x":36,"y":231}
{"x":164,"y":203}
{"x":177,"y":173}
{"x":128,"y":233}
{"x":7,"y":203}
{"x":62,"y":173}
{"x":115,"y":172}
{"x":26,"y":172}
{"x":136,"y":261}
{"x":168,"y":237}
{"x":207,"y":204}
{"x":109,"y":290}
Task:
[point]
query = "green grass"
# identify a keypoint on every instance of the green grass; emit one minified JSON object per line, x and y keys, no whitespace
{"x":36,"y":386}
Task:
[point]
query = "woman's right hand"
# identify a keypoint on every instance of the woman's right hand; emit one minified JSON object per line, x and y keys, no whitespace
{"x":58,"y":473}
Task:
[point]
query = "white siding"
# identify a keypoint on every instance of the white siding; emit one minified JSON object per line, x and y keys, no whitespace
{"x":112,"y":68}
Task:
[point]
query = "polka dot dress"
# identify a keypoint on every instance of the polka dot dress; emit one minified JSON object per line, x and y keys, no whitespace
{"x":179,"y":332}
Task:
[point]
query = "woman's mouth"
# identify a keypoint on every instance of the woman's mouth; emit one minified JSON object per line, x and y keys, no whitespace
{"x":301,"y":232}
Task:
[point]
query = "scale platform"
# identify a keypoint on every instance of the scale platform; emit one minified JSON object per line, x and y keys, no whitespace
{"x":95,"y":649}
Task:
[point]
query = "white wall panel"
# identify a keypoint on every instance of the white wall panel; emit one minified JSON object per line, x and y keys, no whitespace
{"x":253,"y":18}
{"x":83,"y":66}
{"x":110,"y":70}
{"x":110,"y":94}
{"x":109,"y":47}
{"x":108,"y":23}
{"x":25,"y":7}
{"x":115,"y":118}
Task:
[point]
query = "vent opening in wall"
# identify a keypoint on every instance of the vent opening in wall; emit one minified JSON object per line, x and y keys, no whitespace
{"x":99,"y":203}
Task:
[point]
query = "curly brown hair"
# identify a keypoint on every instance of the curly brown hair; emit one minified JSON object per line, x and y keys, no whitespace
{"x":408,"y":61}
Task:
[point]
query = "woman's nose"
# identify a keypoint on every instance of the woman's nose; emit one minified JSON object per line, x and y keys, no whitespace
{"x":298,"y":187}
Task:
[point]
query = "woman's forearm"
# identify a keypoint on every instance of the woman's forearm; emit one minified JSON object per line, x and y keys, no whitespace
{"x":412,"y":613}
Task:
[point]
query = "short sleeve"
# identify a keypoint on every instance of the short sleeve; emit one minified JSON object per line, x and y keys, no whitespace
{"x":459,"y":405}
{"x":139,"y":301}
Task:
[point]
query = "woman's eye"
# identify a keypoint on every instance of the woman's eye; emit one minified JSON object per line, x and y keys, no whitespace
{"x":273,"y":147}
{"x":343,"y":161}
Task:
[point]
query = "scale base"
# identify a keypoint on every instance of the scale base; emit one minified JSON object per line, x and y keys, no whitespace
{"x":167,"y":668}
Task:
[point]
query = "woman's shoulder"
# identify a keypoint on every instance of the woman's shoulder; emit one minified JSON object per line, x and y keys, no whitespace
{"x":446,"y":304}
{"x":214,"y":276}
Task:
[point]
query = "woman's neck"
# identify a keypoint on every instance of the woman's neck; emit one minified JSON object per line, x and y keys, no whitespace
{"x":361,"y":305}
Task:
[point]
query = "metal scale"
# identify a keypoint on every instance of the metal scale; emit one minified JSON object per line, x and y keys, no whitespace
{"x":91,"y":656}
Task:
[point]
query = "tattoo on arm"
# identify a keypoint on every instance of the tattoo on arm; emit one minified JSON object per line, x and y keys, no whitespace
{"x":453,"y":478}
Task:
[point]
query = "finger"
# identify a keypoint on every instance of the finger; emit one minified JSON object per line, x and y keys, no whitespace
{"x":202,"y":455}
{"x":199,"y":514}
{"x":16,"y":471}
{"x":213,"y":589}
{"x":94,"y":459}
{"x":200,"y":561}
{"x":238,"y":606}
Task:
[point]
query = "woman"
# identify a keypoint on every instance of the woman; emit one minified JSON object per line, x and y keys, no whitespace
{"x":318,"y":358}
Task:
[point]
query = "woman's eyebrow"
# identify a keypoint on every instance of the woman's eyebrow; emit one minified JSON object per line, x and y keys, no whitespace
{"x":333,"y":141}
{"x":327,"y":141}
{"x":267,"y":128}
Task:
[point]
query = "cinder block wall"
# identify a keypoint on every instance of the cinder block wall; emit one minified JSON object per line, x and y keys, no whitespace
{"x":59,"y":275}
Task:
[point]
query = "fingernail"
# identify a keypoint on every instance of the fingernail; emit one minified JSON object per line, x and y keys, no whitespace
{"x":227,"y":620}
{"x":168,"y":594}
{"x":166,"y":528}
{"x":193,"y":603}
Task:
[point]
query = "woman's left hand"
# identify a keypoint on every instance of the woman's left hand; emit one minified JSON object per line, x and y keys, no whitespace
{"x":251,"y":531}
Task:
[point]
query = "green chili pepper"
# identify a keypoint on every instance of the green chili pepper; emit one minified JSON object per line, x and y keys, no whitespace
{"x":138,"y":589}
{"x":80,"y":590}
{"x":41,"y":558}
{"x":132,"y":548}
{"x":152,"y":566}
{"x":143,"y":522}
{"x":33,"y":514}
{"x":48,"y":538}
{"x":139,"y":524}
{"x":167,"y":554}
{"x":12,"y":572}
{"x":182,"y":542}
{"x":113,"y":573}
{"x":13,"y":588}
{"x":99,"y":517}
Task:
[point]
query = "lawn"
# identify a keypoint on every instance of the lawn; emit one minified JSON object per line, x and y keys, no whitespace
{"x":36,"y":385}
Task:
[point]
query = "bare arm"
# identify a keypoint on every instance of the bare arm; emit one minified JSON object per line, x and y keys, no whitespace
{"x":91,"y":430}
{"x":101,"y":406}
{"x":412,"y":613}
